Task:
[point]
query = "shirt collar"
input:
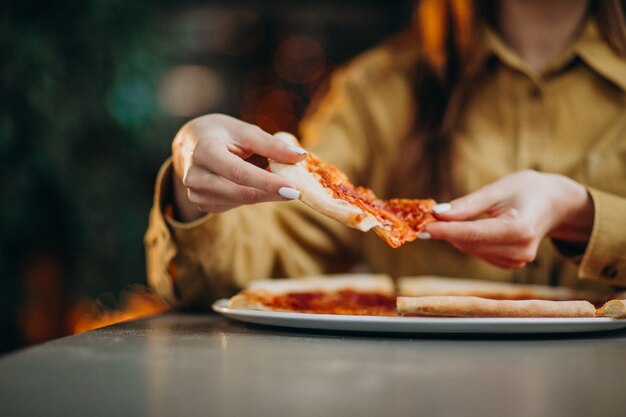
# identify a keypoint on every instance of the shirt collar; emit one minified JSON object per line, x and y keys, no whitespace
{"x":598,"y":55}
{"x":590,"y":47}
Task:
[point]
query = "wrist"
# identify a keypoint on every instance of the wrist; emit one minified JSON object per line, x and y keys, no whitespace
{"x":576,"y":214}
{"x":184,"y":210}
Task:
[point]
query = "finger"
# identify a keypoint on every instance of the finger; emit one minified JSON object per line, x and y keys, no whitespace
{"x":210,"y":204}
{"x":511,"y":253}
{"x":471,"y":205}
{"x":220,"y":161}
{"x":257,"y":141}
{"x":502,"y":229}
{"x":214,"y":185}
{"x":493,"y":256}
{"x":503,"y":263}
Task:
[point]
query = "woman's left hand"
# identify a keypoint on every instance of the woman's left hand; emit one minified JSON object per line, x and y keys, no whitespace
{"x":504,"y":222}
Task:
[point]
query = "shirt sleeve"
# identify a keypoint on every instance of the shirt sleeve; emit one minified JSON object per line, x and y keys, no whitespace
{"x":192,"y":264}
{"x":605,"y":256}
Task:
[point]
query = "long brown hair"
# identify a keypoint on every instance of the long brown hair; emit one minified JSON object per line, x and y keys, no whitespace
{"x":447,"y":32}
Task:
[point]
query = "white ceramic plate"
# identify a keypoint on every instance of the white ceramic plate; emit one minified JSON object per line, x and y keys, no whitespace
{"x":419,"y":324}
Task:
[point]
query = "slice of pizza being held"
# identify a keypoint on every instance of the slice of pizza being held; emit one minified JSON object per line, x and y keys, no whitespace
{"x":327,"y":190}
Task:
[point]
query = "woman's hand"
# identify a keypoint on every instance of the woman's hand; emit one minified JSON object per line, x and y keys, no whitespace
{"x":219,"y":164}
{"x":504,"y":222}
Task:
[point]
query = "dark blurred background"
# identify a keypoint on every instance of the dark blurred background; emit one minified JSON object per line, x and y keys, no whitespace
{"x":92,"y":93}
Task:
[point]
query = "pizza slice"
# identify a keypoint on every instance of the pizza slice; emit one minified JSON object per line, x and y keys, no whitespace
{"x":352,"y":294}
{"x":421,"y":286}
{"x":327,"y":190}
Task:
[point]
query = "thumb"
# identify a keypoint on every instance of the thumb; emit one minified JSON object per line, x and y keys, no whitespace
{"x":282,"y":147}
{"x":469,"y":206}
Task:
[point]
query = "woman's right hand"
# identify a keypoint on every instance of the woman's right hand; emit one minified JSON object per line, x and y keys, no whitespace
{"x":218,"y":165}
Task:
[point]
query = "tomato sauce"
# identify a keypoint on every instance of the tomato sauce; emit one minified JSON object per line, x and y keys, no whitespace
{"x":402,"y":219}
{"x":341,"y":302}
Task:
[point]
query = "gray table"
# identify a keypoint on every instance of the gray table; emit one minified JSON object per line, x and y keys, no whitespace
{"x":205,"y":365}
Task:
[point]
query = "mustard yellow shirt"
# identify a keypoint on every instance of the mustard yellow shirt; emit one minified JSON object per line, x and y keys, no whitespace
{"x":569,"y":119}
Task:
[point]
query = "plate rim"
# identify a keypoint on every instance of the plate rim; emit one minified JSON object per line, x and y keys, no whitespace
{"x":221,"y":306}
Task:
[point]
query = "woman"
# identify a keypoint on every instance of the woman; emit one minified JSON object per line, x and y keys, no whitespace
{"x":518,"y":111}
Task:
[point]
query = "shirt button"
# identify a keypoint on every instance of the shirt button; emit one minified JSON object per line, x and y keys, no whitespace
{"x":609,"y":271}
{"x":534,"y":92}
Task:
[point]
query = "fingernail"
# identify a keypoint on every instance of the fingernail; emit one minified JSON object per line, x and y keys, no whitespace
{"x":297,"y":149}
{"x":423,"y":235}
{"x":442,"y":208}
{"x":290,"y":193}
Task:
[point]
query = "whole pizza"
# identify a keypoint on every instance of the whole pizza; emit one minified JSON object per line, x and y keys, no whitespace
{"x":378,"y":295}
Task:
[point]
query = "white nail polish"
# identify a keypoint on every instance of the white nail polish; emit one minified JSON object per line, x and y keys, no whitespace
{"x":297,"y":149}
{"x":290,"y":193}
{"x":442,"y":208}
{"x":423,"y":235}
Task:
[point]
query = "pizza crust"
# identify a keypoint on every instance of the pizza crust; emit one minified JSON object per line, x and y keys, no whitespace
{"x":613,"y":308}
{"x":456,"y":306}
{"x":316,"y":196}
{"x":244,"y":301}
